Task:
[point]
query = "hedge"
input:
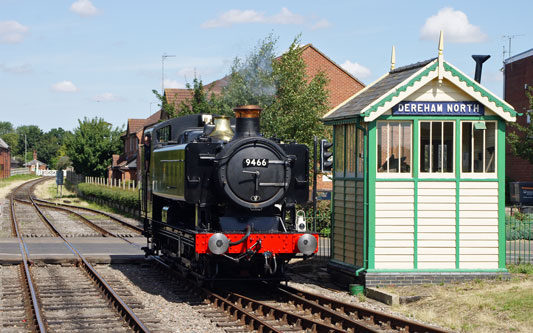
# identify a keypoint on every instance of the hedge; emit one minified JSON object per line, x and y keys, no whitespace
{"x":128,"y":199}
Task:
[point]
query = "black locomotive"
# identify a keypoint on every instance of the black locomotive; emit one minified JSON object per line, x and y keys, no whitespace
{"x":220,"y":198}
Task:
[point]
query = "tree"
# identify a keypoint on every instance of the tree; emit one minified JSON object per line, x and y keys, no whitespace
{"x":300,"y":101}
{"x":166,"y":107}
{"x":6,"y":127}
{"x":521,"y":139}
{"x":12,"y":140}
{"x":30,"y":135}
{"x":92,"y":146}
{"x":202,"y":101}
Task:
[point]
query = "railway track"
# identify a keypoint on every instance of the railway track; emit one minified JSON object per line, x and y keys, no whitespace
{"x":66,"y":299}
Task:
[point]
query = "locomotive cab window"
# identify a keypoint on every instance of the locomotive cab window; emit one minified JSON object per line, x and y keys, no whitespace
{"x":163,"y":134}
{"x":437,"y":148}
{"x":478,"y":147}
{"x":394,"y":147}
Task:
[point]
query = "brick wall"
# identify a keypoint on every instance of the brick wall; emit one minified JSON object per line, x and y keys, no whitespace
{"x":5,"y":163}
{"x":517,"y":75}
{"x":341,"y":85}
{"x":405,"y":279}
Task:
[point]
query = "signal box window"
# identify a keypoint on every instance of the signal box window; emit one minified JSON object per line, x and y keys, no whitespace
{"x":478,"y":147}
{"x":436,"y":147}
{"x":339,"y":150}
{"x":394,"y":147}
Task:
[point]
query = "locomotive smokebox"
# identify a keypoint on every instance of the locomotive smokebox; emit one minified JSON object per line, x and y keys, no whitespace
{"x":247,"y":120}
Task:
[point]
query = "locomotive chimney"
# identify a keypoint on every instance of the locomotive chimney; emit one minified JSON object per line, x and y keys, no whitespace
{"x":247,"y":120}
{"x":479,"y":59}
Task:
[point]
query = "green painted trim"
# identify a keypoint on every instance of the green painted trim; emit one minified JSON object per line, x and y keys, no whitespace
{"x":344,"y":160}
{"x":497,"y":270}
{"x":437,"y":179}
{"x":391,"y":117}
{"x":365,"y":198}
{"x":457,"y":189}
{"x":371,"y":174}
{"x":479,"y":89}
{"x":351,"y":120}
{"x":400,"y":89}
{"x":415,"y":166}
{"x":500,"y":155}
{"x":332,"y":202}
{"x":349,"y":178}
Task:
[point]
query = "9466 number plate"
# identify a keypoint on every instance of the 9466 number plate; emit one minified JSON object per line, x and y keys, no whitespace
{"x":255,"y":162}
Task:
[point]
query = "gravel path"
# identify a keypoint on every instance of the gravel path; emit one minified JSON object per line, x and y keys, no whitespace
{"x":171,"y":305}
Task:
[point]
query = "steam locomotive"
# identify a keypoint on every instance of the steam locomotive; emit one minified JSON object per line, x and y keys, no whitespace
{"x":219,"y":199}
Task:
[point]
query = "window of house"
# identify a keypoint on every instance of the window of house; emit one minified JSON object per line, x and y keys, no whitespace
{"x":360,"y":152}
{"x":394,"y":147}
{"x":478,"y":147}
{"x":437,"y":147}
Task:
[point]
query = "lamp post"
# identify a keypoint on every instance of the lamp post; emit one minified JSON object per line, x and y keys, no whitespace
{"x":163,"y":57}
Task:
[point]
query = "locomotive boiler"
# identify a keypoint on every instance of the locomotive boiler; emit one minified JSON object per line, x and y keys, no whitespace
{"x":219,"y":199}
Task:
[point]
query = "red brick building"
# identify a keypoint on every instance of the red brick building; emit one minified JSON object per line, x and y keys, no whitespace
{"x":518,"y":76}
{"x":5,"y":160}
{"x":35,"y":164}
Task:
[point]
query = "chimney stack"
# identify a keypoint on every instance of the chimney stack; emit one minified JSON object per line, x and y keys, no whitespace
{"x":479,"y":59}
{"x":35,"y":154}
{"x":247,"y":120}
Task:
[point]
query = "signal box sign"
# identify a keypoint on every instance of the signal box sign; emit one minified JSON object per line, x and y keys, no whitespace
{"x":408,"y":108}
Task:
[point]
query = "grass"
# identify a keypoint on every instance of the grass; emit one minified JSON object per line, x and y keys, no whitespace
{"x":6,"y":181}
{"x":476,"y":306}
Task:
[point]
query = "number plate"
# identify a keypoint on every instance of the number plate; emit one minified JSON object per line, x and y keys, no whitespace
{"x":255,"y":162}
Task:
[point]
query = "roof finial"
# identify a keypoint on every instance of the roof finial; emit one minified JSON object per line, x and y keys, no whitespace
{"x":441,"y":57}
{"x":393,"y":58}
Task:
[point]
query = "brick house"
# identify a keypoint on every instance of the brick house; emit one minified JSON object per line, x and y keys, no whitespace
{"x":341,"y":86}
{"x":35,"y":164}
{"x":518,"y":76}
{"x":5,"y":160}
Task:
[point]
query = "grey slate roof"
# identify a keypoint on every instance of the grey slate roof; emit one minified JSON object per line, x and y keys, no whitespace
{"x":354,"y":107}
{"x":3,"y":144}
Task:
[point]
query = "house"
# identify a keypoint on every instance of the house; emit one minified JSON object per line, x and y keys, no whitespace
{"x":518,"y":77}
{"x":35,"y":164}
{"x":5,"y":160}
{"x":419,"y":178}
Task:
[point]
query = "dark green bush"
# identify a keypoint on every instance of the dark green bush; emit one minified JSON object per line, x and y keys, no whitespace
{"x":126,"y":198}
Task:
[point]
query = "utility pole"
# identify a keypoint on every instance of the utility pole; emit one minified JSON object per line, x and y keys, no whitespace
{"x":25,"y":148}
{"x":163,"y":57}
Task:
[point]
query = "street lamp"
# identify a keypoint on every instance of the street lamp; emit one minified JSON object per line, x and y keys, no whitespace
{"x":163,"y":57}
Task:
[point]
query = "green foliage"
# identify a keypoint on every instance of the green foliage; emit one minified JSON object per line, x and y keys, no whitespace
{"x":92,"y":146}
{"x":63,"y":162}
{"x":33,"y":136}
{"x":520,"y":138}
{"x":323,"y":216}
{"x":202,"y":101}
{"x":129,"y":199}
{"x":166,"y":107}
{"x":15,"y":178}
{"x":521,"y":269}
{"x":300,"y":100}
{"x":12,"y":140}
{"x":6,"y":127}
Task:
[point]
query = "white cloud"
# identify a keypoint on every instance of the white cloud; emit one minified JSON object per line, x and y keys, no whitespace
{"x":321,"y":24}
{"x":12,"y":32}
{"x":237,"y":16}
{"x":84,"y":8}
{"x":107,"y":97}
{"x":64,"y":86}
{"x":173,"y":84}
{"x":357,"y":70}
{"x":455,"y":25}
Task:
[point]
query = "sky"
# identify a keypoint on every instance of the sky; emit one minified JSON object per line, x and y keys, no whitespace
{"x":61,"y":61}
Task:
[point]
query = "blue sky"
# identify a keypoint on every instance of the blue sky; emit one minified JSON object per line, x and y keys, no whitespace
{"x":63,"y":60}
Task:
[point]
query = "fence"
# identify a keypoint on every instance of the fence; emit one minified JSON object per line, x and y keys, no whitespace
{"x":323,"y":227}
{"x":20,"y":171}
{"x":116,"y":183}
{"x":519,"y":233}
